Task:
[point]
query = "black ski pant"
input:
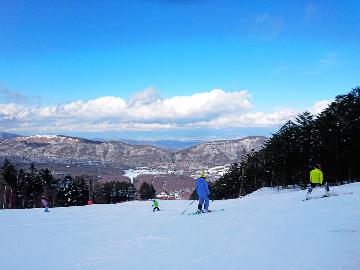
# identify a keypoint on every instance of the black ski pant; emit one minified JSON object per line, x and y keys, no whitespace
{"x":314,"y":185}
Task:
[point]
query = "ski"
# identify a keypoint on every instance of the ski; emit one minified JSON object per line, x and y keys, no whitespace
{"x":328,"y":195}
{"x":200,"y":213}
{"x":336,"y":194}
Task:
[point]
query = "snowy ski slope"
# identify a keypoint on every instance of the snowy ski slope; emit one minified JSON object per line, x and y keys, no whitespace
{"x":266,"y":230}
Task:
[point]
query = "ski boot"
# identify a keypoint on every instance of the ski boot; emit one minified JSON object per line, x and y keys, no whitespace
{"x":199,"y":211}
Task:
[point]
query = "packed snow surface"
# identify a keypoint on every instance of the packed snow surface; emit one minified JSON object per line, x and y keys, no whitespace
{"x":266,"y":230}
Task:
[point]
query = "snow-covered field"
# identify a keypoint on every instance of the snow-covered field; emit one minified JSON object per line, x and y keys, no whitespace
{"x":133,"y":173}
{"x":265,"y":230}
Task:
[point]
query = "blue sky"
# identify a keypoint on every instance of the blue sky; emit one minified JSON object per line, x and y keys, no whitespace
{"x":172,"y":69}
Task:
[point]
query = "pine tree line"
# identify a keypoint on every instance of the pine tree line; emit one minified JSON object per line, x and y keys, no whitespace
{"x":331,"y":139}
{"x":24,"y":189}
{"x":114,"y":192}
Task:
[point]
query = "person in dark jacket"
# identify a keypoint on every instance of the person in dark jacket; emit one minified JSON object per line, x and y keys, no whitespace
{"x":202,"y":190}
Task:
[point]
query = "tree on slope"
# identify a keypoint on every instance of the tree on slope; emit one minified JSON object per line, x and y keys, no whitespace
{"x":32,"y":187}
{"x":114,"y":192}
{"x":147,"y":191}
{"x":9,"y":174}
{"x":9,"y":183}
{"x":229,"y":185}
{"x":74,"y":192}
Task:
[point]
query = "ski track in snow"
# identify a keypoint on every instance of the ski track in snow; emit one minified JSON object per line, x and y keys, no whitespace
{"x":266,"y":230}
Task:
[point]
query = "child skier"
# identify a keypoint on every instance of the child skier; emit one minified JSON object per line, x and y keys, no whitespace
{"x":45,"y":204}
{"x":155,"y":205}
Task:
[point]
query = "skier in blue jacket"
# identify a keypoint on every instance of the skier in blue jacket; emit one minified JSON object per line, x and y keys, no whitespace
{"x":202,"y":190}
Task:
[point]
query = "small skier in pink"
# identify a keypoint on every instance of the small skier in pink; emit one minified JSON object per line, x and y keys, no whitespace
{"x":45,"y":204}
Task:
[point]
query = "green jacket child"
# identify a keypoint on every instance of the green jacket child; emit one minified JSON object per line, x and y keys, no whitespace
{"x":155,"y":205}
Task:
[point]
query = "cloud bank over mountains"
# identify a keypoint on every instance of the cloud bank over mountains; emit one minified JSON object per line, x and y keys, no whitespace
{"x":146,"y":111}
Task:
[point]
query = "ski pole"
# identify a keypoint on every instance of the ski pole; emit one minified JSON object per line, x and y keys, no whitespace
{"x":188,"y":206}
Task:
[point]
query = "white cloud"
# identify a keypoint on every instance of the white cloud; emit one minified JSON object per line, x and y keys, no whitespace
{"x":255,"y":119}
{"x":319,"y":106}
{"x":146,"y":111}
{"x":201,"y":105}
{"x":13,"y":111}
{"x":148,"y":107}
{"x":148,"y":96}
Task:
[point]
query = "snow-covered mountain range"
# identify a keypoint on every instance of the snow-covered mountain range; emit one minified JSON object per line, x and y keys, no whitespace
{"x":65,"y":149}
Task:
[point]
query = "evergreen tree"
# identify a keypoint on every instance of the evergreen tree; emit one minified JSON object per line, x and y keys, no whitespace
{"x":46,"y":178}
{"x":32,"y":188}
{"x":74,"y":192}
{"x":98,"y":194}
{"x":9,"y":184}
{"x":146,"y":191}
{"x":20,"y":193}
{"x":9,"y":174}
{"x":153,"y":191}
{"x":229,"y":185}
{"x":114,"y":192}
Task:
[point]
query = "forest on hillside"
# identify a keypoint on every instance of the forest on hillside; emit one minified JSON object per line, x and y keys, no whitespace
{"x":331,"y":139}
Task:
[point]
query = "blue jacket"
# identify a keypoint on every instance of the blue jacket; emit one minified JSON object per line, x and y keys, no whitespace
{"x":202,"y":188}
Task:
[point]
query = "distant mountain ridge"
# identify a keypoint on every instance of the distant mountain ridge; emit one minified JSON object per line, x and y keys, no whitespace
{"x":59,"y":149}
{"x":6,"y":135}
{"x":165,"y":144}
